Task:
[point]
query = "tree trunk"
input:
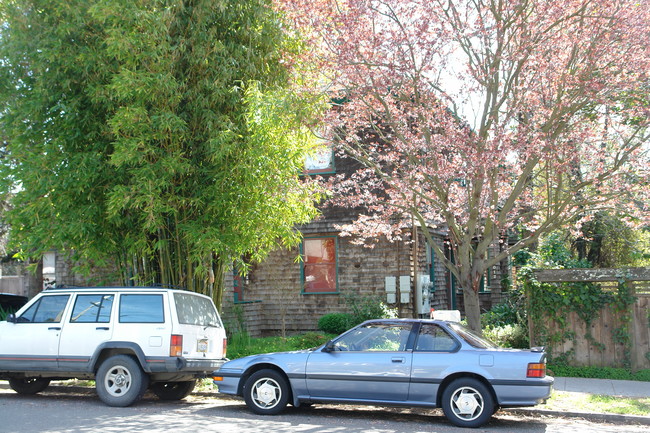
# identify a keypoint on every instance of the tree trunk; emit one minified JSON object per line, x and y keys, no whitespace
{"x":218,"y":288}
{"x":471,"y":299}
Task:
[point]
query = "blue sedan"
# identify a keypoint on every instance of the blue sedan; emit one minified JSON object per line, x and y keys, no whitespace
{"x":397,"y":362}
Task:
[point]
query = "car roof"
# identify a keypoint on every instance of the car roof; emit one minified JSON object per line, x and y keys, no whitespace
{"x":409,"y":320}
{"x":114,"y":288}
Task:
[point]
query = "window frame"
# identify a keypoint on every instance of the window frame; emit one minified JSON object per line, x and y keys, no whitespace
{"x":330,"y":169}
{"x":303,"y":264}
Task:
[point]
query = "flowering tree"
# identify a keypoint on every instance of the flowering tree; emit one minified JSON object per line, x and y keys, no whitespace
{"x":484,"y":117}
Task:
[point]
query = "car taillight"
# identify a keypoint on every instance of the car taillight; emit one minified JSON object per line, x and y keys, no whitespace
{"x":225,"y":347}
{"x":536,"y":370}
{"x":176,"y":347}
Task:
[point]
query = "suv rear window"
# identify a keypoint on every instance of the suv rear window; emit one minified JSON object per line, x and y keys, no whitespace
{"x":141,"y":309}
{"x":196,"y":310}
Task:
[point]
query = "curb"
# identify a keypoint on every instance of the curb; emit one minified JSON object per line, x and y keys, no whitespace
{"x":611,"y":418}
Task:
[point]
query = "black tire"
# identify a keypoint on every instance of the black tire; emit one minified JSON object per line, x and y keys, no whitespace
{"x":173,"y":390}
{"x":467,"y":402}
{"x":29,"y":385}
{"x":266,"y":392}
{"x":120,"y":381}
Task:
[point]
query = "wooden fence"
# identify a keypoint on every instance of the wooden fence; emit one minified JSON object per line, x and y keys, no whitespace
{"x":599,"y":347}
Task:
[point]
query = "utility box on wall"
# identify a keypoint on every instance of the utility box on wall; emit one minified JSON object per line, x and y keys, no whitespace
{"x":405,"y":289}
{"x":391,"y":290}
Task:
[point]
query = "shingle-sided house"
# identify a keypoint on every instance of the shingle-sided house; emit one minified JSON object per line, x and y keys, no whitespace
{"x":288,"y":294}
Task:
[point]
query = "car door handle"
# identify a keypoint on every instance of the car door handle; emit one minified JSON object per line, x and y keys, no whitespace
{"x":398,"y":360}
{"x":54,"y":328}
{"x":102,"y":328}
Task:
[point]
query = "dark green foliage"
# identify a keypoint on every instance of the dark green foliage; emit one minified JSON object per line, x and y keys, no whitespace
{"x":563,"y":370}
{"x":361,"y":308}
{"x":507,"y":323}
{"x":512,"y":311}
{"x":335,"y":323}
{"x":608,"y":242}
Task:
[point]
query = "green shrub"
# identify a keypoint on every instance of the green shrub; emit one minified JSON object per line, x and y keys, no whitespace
{"x":308,"y":340}
{"x":514,"y":336}
{"x":368,"y":307}
{"x":335,"y":323}
{"x":361,"y":308}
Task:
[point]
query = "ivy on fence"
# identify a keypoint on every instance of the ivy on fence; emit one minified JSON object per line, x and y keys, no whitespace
{"x":553,"y":302}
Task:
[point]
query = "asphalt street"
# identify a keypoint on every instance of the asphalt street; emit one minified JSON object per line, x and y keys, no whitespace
{"x":78,"y":410}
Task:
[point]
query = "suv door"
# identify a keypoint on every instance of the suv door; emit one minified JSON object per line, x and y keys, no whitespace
{"x":32,"y":342}
{"x":88,"y":326}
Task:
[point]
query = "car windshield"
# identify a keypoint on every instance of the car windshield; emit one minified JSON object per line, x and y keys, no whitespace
{"x":471,"y":337}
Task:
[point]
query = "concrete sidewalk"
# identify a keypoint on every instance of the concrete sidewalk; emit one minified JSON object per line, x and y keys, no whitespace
{"x":622,"y":388}
{"x":619,"y":388}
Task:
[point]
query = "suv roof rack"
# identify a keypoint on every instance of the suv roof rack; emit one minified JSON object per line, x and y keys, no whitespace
{"x":152,"y":287}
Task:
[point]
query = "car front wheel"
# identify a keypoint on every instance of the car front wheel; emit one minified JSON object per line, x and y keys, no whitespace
{"x":29,"y":385}
{"x":266,"y":392}
{"x":173,"y":390}
{"x":120,"y":381}
{"x":467,"y":402}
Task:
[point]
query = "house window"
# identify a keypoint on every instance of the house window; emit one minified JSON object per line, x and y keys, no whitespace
{"x":321,"y":162}
{"x":319,"y":265}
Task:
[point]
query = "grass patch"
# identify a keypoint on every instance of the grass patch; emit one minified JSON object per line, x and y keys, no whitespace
{"x":572,"y":401}
{"x":241,"y":345}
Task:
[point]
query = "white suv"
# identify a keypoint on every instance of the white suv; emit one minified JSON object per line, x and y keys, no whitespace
{"x":126,"y":338}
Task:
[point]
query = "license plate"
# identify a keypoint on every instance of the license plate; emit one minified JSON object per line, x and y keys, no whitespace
{"x":202,"y":345}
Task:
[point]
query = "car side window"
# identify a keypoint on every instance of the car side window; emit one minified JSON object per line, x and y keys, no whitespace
{"x":48,"y":309}
{"x":376,"y":337}
{"x":432,"y":338}
{"x":141,"y":309}
{"x":92,"y":309}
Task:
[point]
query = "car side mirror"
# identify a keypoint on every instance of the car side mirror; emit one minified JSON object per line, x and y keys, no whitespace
{"x":12,"y":318}
{"x":329,"y":347}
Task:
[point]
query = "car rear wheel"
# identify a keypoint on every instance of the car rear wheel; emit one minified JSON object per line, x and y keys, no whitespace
{"x":120,"y":381}
{"x":266,"y":392}
{"x":467,"y":402}
{"x":29,"y":385}
{"x":173,"y":390}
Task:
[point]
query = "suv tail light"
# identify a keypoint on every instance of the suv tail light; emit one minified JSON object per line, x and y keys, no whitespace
{"x":176,"y":346}
{"x":225,"y":347}
{"x":536,"y":370}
